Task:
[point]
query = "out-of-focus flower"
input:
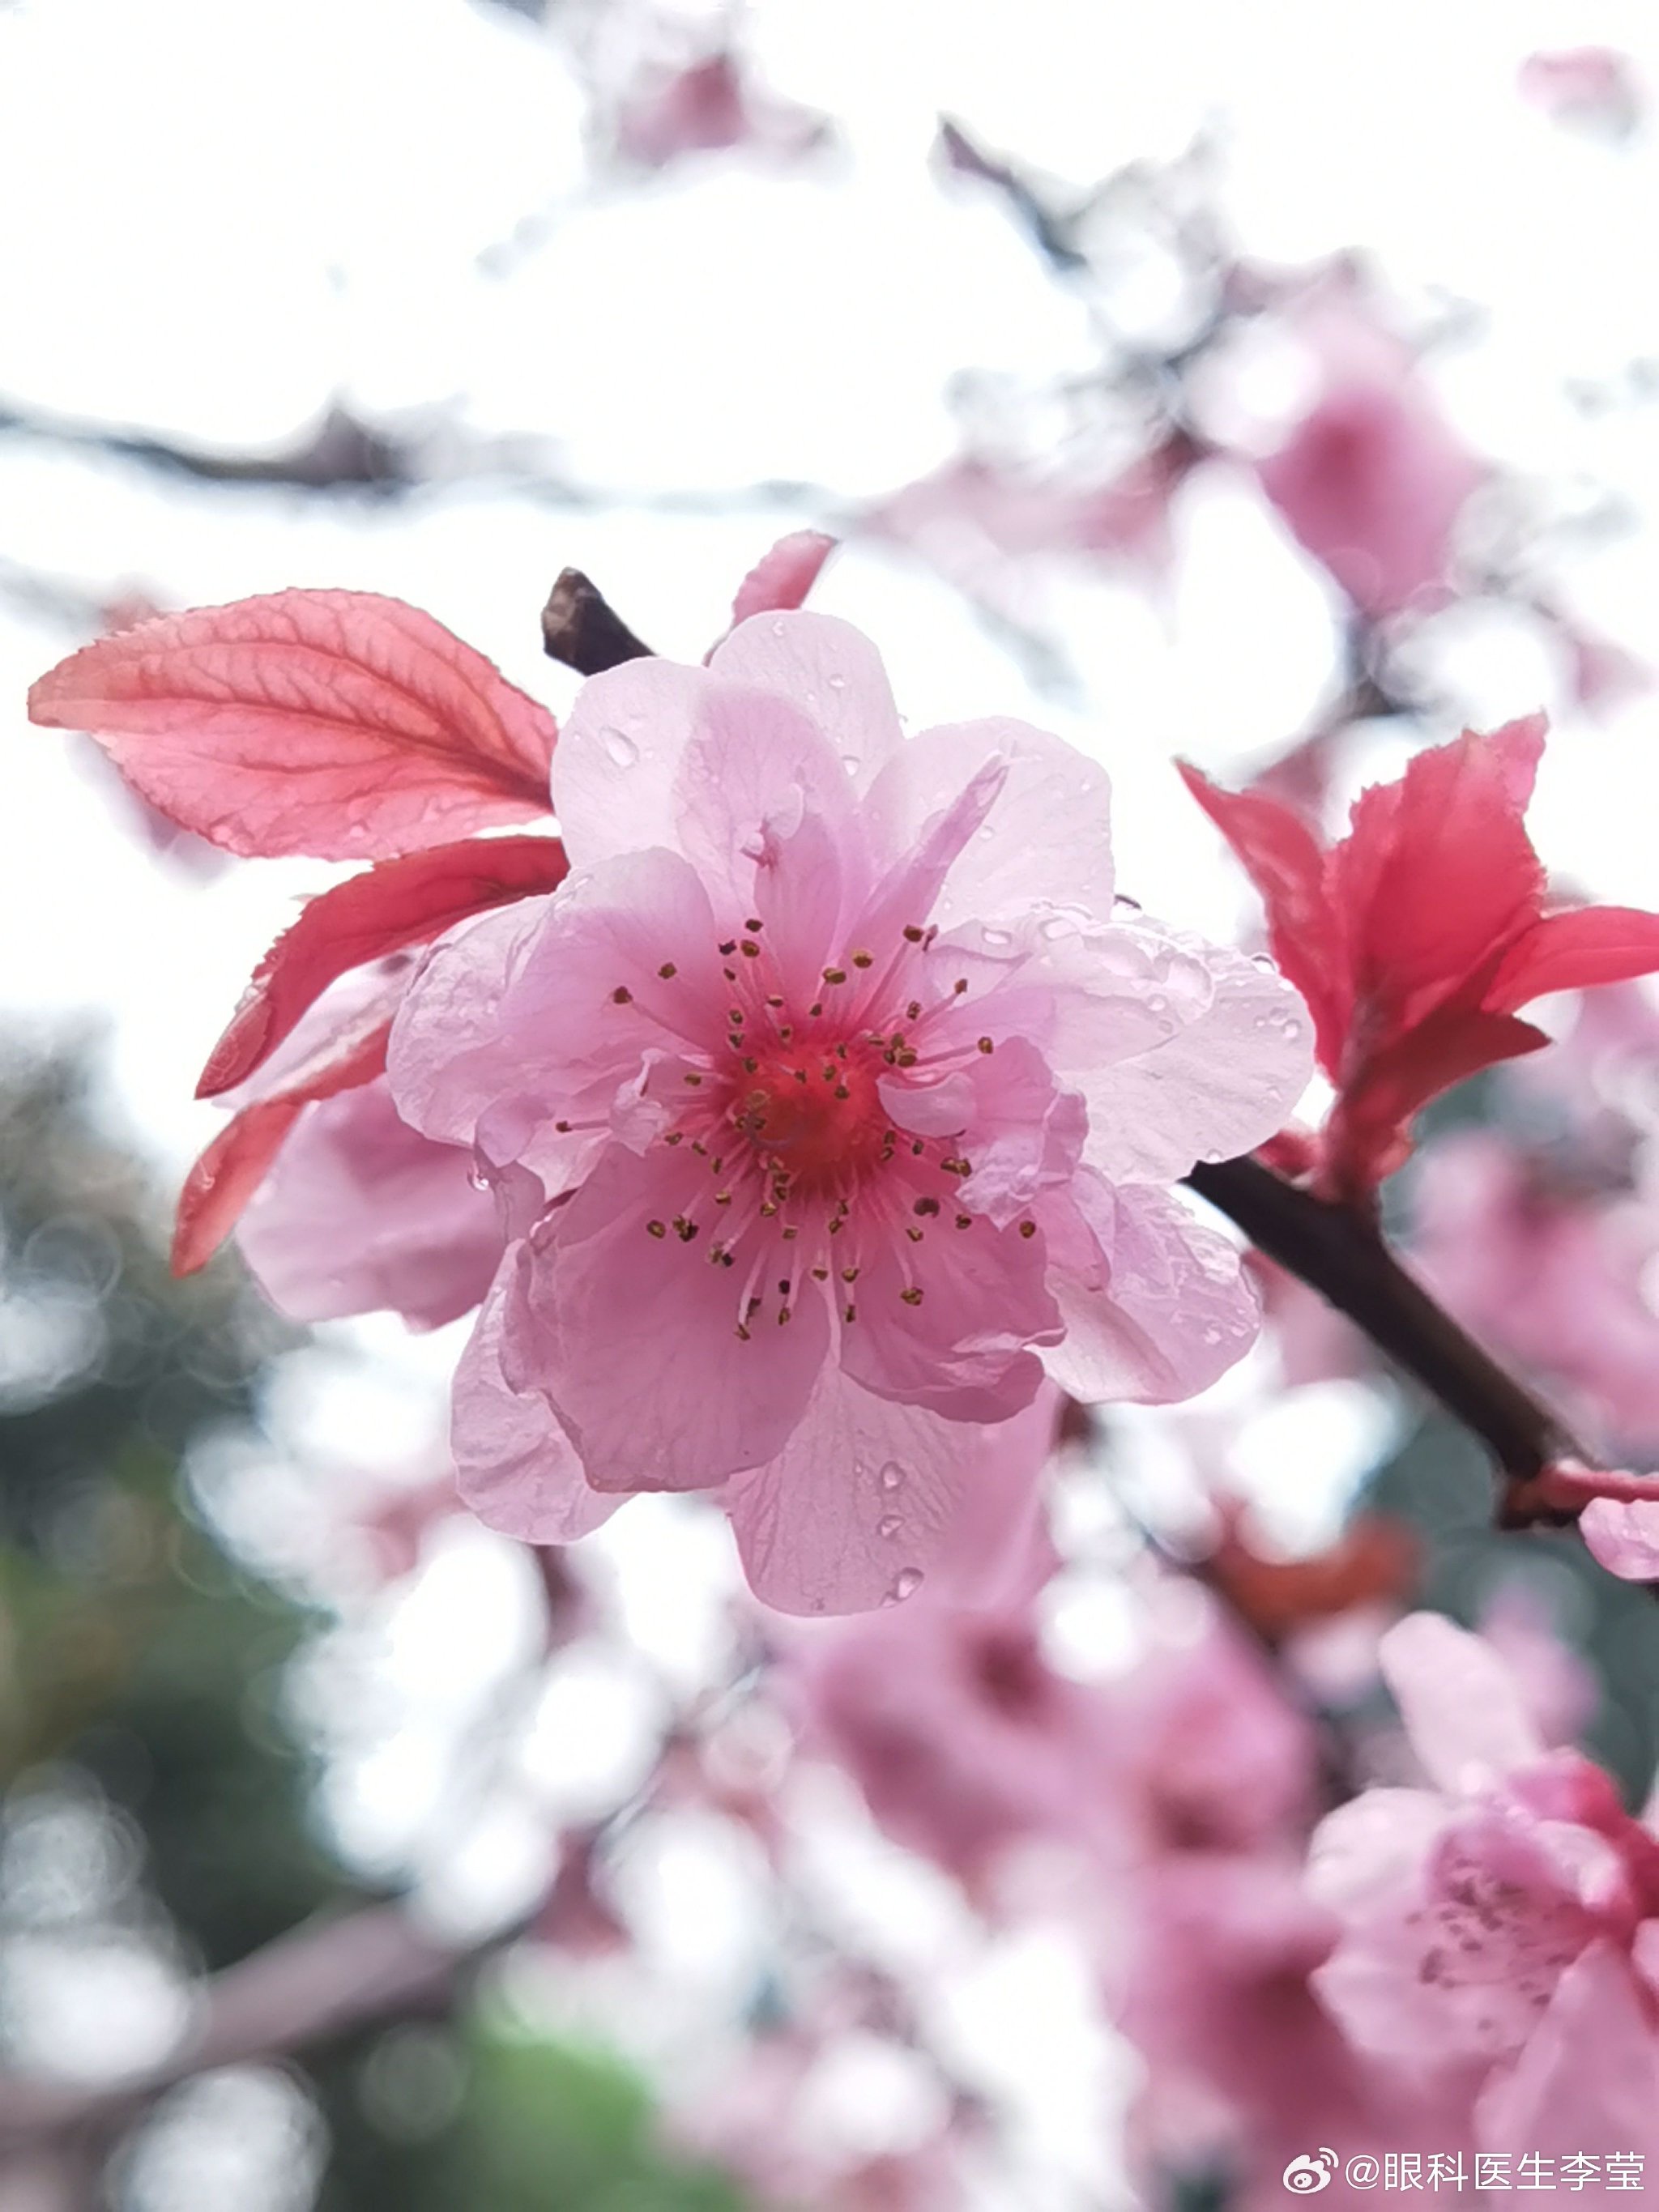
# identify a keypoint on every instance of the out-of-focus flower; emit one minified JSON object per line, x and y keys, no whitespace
{"x":1500,"y":1926}
{"x":1590,"y":88}
{"x":961,"y":1736}
{"x":1374,"y":1562}
{"x":710,"y":105}
{"x":1416,"y":938}
{"x":1546,"y":1273}
{"x":1372,"y":480}
{"x":851,"y":1098}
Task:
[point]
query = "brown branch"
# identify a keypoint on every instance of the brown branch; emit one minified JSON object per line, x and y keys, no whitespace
{"x":306,"y":1986}
{"x":1340,"y":1256}
{"x":582,"y":629}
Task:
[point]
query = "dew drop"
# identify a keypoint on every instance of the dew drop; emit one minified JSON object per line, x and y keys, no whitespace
{"x":997,"y":939}
{"x":891,"y":1476}
{"x":836,"y":682}
{"x":1058,"y":925}
{"x":888,"y":1525}
{"x":619,"y":747}
{"x":905,"y":1583}
{"x":851,"y":762}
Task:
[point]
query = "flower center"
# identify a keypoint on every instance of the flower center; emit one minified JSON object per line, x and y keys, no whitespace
{"x":817,"y":1115}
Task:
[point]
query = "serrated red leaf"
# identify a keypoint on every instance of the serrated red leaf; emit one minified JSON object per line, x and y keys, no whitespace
{"x":393,"y":905}
{"x":340,"y":725}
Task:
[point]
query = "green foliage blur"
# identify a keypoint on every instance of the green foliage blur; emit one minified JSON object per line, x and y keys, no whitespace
{"x":142,"y":1734}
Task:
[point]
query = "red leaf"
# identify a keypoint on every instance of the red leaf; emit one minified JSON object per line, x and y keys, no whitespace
{"x":336,"y":724}
{"x":1365,"y":1137}
{"x":1282,"y":857}
{"x":1438,"y":874}
{"x":1570,"y":952}
{"x":398,"y":903}
{"x":220,"y":1185}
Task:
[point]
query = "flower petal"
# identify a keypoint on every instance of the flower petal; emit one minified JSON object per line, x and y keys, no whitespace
{"x":337,"y":724}
{"x":780,"y":580}
{"x":869,"y":1502}
{"x":361,"y":1214}
{"x":1570,"y":952}
{"x":1463,"y":1711}
{"x":1222,"y":1083}
{"x":398,"y":903}
{"x":515,"y":1465}
{"x":1154,"y":1303}
{"x":1053,"y":800}
{"x":632,"y":1336}
{"x":831,"y":672}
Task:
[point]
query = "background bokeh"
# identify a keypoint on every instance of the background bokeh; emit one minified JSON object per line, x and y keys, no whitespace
{"x":437,"y":297}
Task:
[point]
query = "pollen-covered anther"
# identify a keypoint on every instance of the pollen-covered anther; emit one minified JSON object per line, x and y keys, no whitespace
{"x":1028,"y":1229}
{"x":986,"y":1044}
{"x":622,"y":996}
{"x":912,"y":1296}
{"x":749,"y":949}
{"x":864,"y":960}
{"x":668,"y":971}
{"x":835,"y":975}
{"x":914,"y":932}
{"x":656,"y":1229}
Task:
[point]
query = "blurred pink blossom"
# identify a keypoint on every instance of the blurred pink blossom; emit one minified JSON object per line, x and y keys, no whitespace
{"x":1372,"y":480}
{"x":1595,"y":88}
{"x":710,"y":105}
{"x":1500,"y":1926}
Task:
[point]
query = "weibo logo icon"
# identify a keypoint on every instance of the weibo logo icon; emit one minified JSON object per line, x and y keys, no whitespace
{"x":1306,"y":2175}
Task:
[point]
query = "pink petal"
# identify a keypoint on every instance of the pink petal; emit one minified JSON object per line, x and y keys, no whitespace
{"x":869,"y":1502}
{"x":514,"y":1023}
{"x":828,"y":670}
{"x":336,"y":724}
{"x":1588,"y":2080}
{"x":1466,"y":1717}
{"x":1571,"y":952}
{"x":618,"y":759}
{"x":515,"y":1465}
{"x":961,"y":1350}
{"x":1624,"y":1538}
{"x":780,"y":580}
{"x":1053,"y":802}
{"x":361,"y":1213}
{"x":631,"y":1335}
{"x":1154,"y":1304}
{"x":757,"y":771}
{"x":1221,"y":1084}
{"x":398,"y":903}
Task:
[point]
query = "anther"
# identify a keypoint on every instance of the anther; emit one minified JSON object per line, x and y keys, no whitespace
{"x":986,"y":1045}
{"x":864,"y":960}
{"x":964,"y":1221}
{"x":849,"y":1313}
{"x":562,"y":1128}
{"x":835,"y":975}
{"x":686,"y":1230}
{"x":621,"y":996}
{"x":912,"y":1296}
{"x":785,"y":1313}
{"x":914,"y":934}
{"x":915,"y":1235}
{"x":925,"y":1205}
{"x":849,"y":1274}
{"x":656,"y":1229}
{"x":668,"y":971}
{"x":1028,"y":1229}
{"x":752,"y":926}
{"x":749,"y":949}
{"x":913,"y":1011}
{"x":694,"y":1080}
{"x":959,"y":986}
{"x":728,"y":948}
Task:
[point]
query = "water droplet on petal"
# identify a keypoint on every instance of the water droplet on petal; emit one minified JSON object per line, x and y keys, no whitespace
{"x":888,"y":1525}
{"x":1058,"y":925}
{"x":851,"y":762}
{"x":997,"y":939}
{"x":891,"y":1476}
{"x":836,"y":682}
{"x":619,"y":747}
{"x":905,"y":1583}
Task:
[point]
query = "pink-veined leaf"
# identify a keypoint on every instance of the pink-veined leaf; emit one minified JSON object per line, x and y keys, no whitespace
{"x":398,"y":903}
{"x":340,"y":725}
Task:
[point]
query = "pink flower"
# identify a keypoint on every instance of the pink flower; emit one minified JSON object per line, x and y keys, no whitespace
{"x":709,"y":105}
{"x":1479,"y":1911}
{"x":1595,"y":88}
{"x":962,"y":1738}
{"x":1372,"y":480}
{"x":1548,"y":1274}
{"x":855,"y":1106}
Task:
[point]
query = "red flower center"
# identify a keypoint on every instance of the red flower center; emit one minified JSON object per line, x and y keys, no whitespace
{"x":817,"y":1115}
